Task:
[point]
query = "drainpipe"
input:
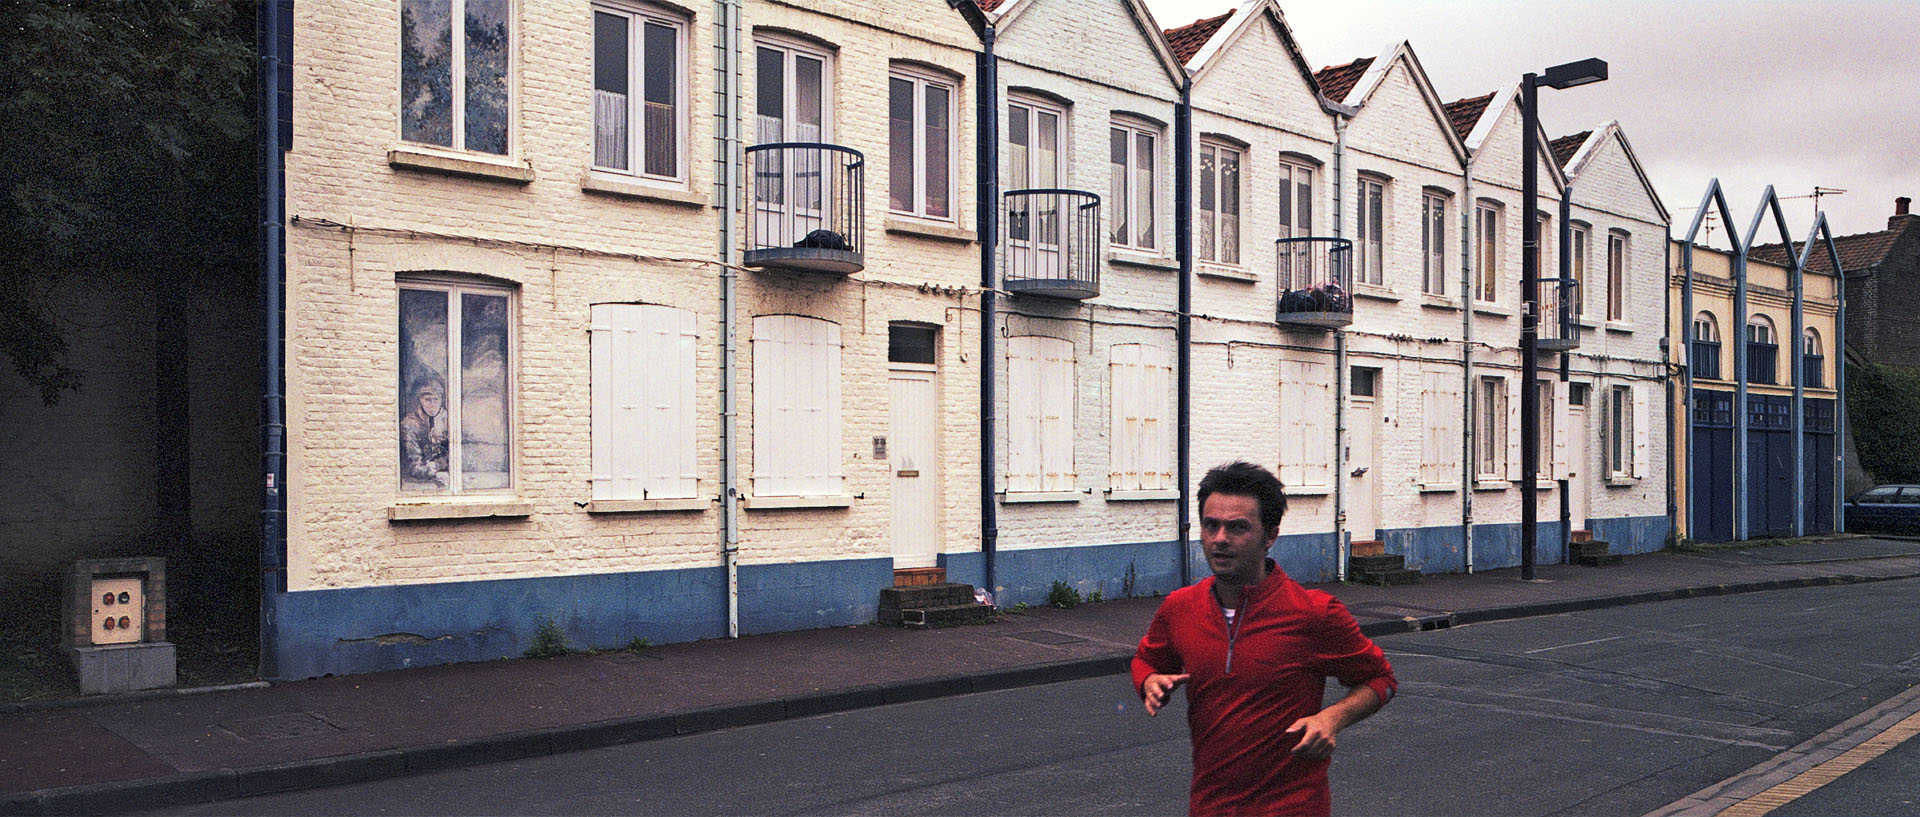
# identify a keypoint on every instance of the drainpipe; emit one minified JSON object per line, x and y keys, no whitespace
{"x":1467,"y":210}
{"x":987,"y":215}
{"x":1739,"y":387}
{"x":1183,"y":330}
{"x":1797,"y":356}
{"x":727,"y":145}
{"x":1341,"y":544}
{"x":1566,"y":364}
{"x":1666,"y":366}
{"x":1686,"y":370}
{"x":1839,"y":376}
{"x":274,"y":39}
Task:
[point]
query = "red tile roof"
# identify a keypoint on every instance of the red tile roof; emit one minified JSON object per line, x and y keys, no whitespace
{"x":1463,"y":114}
{"x":990,"y":5}
{"x":1857,"y":252}
{"x":1187,"y":40}
{"x":1336,"y":81}
{"x":1565,"y":146}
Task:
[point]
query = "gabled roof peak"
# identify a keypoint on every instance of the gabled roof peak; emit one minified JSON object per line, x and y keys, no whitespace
{"x":1463,"y":114}
{"x":1336,"y":81}
{"x":1566,"y":146}
{"x":1187,"y":40}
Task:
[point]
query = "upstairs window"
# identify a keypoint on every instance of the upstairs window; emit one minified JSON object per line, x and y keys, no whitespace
{"x":1763,"y":350}
{"x":1490,"y":422}
{"x":791,"y":101}
{"x":1217,"y":229}
{"x":1577,"y":236}
{"x":1616,"y":276}
{"x":1131,"y":186}
{"x":1813,"y":360}
{"x":920,"y":144}
{"x":456,"y":73}
{"x":1296,"y":218}
{"x":1371,"y":243}
{"x":639,"y":52}
{"x":1433,"y":244}
{"x":1035,"y":161}
{"x":1486,"y":252}
{"x":1706,"y":346}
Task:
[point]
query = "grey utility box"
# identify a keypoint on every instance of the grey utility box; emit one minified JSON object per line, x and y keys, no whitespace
{"x":114,"y":625}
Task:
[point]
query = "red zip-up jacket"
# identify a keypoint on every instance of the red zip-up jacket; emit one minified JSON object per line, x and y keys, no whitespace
{"x":1252,"y":680}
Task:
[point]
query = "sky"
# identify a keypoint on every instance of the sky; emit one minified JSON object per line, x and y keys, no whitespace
{"x":1790,"y":93}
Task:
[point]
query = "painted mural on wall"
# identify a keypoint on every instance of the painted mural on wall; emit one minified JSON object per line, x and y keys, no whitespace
{"x":438,"y":327}
{"x":429,"y":85}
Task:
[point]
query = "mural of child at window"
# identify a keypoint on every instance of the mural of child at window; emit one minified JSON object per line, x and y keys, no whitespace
{"x":423,"y":436}
{"x":1327,"y":297}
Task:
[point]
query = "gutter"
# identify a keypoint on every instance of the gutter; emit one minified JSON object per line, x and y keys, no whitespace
{"x":727,"y":145}
{"x":987,"y":218}
{"x":1183,"y":329}
{"x":1342,"y":542}
{"x":1467,"y":211}
{"x":273,"y":32}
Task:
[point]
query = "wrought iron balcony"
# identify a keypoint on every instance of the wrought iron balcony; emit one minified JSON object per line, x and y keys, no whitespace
{"x":1556,"y":330}
{"x":1052,"y":243}
{"x":806,"y":201}
{"x":1316,"y":281}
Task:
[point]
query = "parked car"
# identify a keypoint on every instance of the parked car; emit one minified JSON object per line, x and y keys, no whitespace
{"x":1888,"y":508}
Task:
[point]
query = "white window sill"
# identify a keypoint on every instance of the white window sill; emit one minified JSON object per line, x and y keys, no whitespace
{"x":1308,"y":490}
{"x":1137,"y":258}
{"x":1376,"y":292}
{"x":1619,"y":326}
{"x":458,"y":164}
{"x":635,"y":188}
{"x":1439,"y":302}
{"x":648,"y":505}
{"x":1438,"y":487}
{"x":1143,"y":496}
{"x":1622,"y":482}
{"x":908,"y":225}
{"x":1586,"y":323}
{"x":1491,"y":484}
{"x":459,"y":509}
{"x":1483,"y":308}
{"x":773,"y":503}
{"x":1015,"y":497}
{"x":1225,"y":273}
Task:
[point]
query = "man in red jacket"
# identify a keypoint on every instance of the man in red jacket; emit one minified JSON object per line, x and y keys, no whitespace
{"x":1254,"y":650}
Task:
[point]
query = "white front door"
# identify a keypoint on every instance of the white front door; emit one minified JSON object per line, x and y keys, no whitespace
{"x":1363,"y":504}
{"x":913,"y":460}
{"x":1577,"y":480}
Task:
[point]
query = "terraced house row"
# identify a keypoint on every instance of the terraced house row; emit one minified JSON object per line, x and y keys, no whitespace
{"x":676,"y":321}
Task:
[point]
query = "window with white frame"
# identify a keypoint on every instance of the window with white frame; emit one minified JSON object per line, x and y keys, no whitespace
{"x":920,"y":116}
{"x":639,"y":91}
{"x":1545,"y":263}
{"x":1132,"y":151}
{"x":796,"y":407}
{"x":1440,"y":444}
{"x":1036,"y":160}
{"x":1371,"y":246}
{"x":1548,"y":410}
{"x":1486,"y":251}
{"x":1623,"y":430}
{"x":1306,"y":400}
{"x":456,"y":73}
{"x":1216,"y":230}
{"x":643,"y":402}
{"x":1433,"y":243}
{"x":1813,"y":361}
{"x":1763,"y":350}
{"x":1616,"y":276}
{"x":1577,"y":250}
{"x":456,"y":412}
{"x":1296,"y":220}
{"x":1140,"y":439}
{"x":1040,"y":414}
{"x":1490,"y":429}
{"x":1706,"y":346}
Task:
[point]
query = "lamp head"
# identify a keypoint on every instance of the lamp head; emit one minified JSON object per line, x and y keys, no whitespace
{"x":1570,"y":74}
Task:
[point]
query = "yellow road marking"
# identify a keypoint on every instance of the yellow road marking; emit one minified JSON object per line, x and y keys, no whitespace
{"x":1811,"y":779}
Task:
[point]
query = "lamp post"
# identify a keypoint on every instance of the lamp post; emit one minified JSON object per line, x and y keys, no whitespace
{"x":1567,"y":75}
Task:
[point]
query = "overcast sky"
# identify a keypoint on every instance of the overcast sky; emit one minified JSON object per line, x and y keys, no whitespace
{"x":1792,"y":93}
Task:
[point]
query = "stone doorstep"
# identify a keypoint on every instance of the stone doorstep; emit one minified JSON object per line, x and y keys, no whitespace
{"x":1581,"y":536}
{"x":1369,"y":547}
{"x":931,"y":595}
{"x":919,"y":576}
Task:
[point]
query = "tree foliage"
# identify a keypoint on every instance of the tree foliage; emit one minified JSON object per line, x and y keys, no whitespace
{"x":128,"y":136}
{"x":1882,"y":402}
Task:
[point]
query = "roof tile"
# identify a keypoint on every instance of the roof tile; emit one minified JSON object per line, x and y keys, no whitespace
{"x":1336,"y":81}
{"x":1857,"y":252}
{"x":1565,"y":146}
{"x":1463,"y":114}
{"x":1187,"y":40}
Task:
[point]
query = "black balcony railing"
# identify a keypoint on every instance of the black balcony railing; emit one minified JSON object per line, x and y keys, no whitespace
{"x":1811,"y":371}
{"x":805,"y":203}
{"x":1052,"y":243}
{"x":1556,"y":330}
{"x":1763,"y":360}
{"x":1706,"y":360}
{"x":1316,"y":281}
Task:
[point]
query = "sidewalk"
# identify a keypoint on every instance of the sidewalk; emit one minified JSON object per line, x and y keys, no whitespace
{"x":136,"y":752}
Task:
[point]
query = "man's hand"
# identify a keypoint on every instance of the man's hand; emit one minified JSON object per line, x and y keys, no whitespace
{"x":1158,"y":688}
{"x":1316,"y":735}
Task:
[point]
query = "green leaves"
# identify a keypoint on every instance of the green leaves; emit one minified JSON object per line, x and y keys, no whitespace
{"x":1882,"y":402}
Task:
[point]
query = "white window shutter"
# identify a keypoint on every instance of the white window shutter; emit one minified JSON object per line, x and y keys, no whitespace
{"x":827,"y":357}
{"x":1123,"y":419}
{"x":1642,"y":425}
{"x":1023,"y":414}
{"x":1512,"y":406}
{"x":1056,"y":446}
{"x":1562,"y":419}
{"x":1157,"y":462}
{"x":769,"y":342}
{"x":796,"y":399}
{"x":667,"y":359}
{"x":602,"y":338}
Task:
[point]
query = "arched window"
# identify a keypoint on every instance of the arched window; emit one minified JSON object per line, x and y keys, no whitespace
{"x":1813,"y":361}
{"x":1706,"y":346}
{"x":1763,"y":350}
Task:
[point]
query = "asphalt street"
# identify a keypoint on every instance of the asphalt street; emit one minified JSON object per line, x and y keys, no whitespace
{"x":1617,"y":711}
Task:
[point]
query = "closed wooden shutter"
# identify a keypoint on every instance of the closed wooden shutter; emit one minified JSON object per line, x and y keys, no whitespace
{"x":1056,"y":415}
{"x":796,"y":406}
{"x":1642,"y":426}
{"x":642,"y":368}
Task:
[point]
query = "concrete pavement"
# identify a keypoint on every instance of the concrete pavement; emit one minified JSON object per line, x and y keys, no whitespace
{"x":144,"y":751}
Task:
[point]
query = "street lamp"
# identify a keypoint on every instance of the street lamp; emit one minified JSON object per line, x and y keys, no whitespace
{"x":1567,"y":75}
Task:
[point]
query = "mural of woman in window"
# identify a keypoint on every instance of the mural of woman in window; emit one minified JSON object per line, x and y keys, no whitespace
{"x":423,"y":436}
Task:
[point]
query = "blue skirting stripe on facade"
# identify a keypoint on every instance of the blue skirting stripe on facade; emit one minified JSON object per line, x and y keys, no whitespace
{"x":367,"y":629}
{"x":1440,"y":549}
{"x":1028,"y":575}
{"x":1632,"y":534}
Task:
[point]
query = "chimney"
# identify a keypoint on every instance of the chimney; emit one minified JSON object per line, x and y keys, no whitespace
{"x":1901,"y":216}
{"x":1900,"y":205}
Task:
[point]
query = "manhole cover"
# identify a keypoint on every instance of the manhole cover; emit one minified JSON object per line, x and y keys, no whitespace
{"x":1048,"y":637}
{"x":280,"y":727}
